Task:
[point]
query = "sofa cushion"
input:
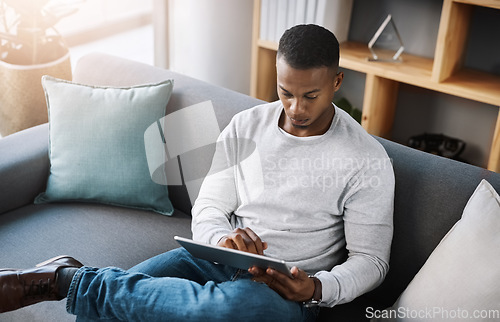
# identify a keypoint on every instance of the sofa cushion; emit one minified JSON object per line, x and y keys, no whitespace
{"x":461,"y":277}
{"x":95,"y":234}
{"x":96,"y":149}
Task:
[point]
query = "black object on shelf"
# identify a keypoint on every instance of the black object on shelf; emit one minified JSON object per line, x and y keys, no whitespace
{"x":438,"y":144}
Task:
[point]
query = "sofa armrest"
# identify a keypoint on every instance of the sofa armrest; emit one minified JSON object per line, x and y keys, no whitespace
{"x":24,"y":167}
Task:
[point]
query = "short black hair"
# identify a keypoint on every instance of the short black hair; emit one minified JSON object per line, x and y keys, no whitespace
{"x":309,"y":46}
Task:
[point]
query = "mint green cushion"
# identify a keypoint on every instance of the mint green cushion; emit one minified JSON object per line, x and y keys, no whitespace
{"x":97,"y":151}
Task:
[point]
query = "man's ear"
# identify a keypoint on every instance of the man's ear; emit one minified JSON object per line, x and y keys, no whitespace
{"x":338,"y":81}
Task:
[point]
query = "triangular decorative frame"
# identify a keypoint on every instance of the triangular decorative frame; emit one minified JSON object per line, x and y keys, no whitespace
{"x":396,"y":57}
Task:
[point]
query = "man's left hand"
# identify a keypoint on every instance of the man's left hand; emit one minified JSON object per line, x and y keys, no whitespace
{"x":298,"y":289}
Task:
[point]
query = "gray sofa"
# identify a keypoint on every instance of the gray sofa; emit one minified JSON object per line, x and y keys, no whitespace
{"x":431,"y":193}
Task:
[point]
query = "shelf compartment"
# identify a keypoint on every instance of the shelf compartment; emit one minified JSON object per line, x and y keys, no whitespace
{"x":442,"y":73}
{"x":271,"y":45}
{"x":494,"y":160}
{"x":495,"y":4}
{"x":413,"y":70}
{"x":264,"y":83}
{"x":379,"y":105}
{"x":452,"y":37}
{"x":472,"y":84}
{"x":417,"y":71}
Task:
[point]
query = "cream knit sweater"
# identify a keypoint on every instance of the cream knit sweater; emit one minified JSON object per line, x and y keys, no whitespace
{"x":310,"y":199}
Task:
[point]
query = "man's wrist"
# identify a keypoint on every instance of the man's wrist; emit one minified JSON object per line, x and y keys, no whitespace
{"x":317,"y":294}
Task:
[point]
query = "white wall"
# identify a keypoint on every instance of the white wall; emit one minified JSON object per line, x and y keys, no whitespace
{"x":92,"y":14}
{"x":211,"y":40}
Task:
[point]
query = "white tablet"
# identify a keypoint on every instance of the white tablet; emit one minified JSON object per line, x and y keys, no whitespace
{"x":231,"y":257}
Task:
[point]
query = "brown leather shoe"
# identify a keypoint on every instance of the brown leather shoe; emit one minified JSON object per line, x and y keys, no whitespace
{"x":20,"y":288}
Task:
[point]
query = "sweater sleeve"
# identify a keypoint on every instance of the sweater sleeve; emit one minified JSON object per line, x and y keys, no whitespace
{"x":368,"y":227}
{"x":218,"y":198}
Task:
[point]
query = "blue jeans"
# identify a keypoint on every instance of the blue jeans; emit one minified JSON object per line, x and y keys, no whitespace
{"x":175,"y":286}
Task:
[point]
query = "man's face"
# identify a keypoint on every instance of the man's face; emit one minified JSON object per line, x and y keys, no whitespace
{"x":306,"y":95}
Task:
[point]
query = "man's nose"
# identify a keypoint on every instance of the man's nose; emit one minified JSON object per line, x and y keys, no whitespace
{"x":297,"y":106}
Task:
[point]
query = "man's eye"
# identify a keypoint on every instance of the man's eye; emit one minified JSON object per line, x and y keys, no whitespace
{"x":287,"y":95}
{"x":311,"y":97}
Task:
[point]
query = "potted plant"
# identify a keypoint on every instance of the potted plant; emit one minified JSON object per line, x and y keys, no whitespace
{"x":30,"y":47}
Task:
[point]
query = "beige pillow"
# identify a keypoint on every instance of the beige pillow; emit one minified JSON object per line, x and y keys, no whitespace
{"x":461,"y":278}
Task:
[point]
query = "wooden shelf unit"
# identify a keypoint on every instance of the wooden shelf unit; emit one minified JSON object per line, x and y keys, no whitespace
{"x":444,"y":73}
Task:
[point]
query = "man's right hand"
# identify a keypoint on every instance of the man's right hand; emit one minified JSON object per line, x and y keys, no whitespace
{"x":243,"y":239}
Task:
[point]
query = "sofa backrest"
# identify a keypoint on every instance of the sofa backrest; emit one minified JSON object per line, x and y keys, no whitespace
{"x":431,"y":193}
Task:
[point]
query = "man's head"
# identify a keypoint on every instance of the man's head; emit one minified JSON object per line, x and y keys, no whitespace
{"x":307,"y":69}
{"x":309,"y":46}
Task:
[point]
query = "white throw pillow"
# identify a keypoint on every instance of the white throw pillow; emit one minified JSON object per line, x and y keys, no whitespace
{"x":461,"y":278}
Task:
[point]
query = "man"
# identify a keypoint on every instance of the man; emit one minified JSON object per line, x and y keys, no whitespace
{"x":312,"y":185}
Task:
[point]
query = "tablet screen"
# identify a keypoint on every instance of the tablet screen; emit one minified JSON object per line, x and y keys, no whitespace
{"x":231,"y":257}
